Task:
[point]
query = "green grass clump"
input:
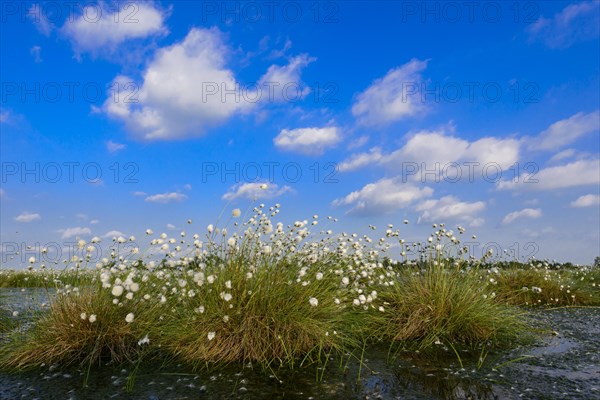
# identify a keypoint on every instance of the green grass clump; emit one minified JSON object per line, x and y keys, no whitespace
{"x":7,"y":321}
{"x":544,"y":287}
{"x":40,"y":278}
{"x":79,"y":328}
{"x":272,"y":317}
{"x":446,"y":305}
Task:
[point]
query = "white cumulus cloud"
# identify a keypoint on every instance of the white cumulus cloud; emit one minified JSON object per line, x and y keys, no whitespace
{"x":566,"y":131}
{"x":360,"y":160}
{"x":74,"y":232}
{"x":394,"y":97}
{"x":577,"y":173}
{"x":182,"y":90}
{"x":383,"y":197}
{"x":437,"y":150}
{"x":309,"y":141}
{"x":588,"y":200}
{"x":562,"y":155}
{"x":165,"y":197}
{"x":27,"y":217}
{"x":576,"y":22}
{"x":114,"y":147}
{"x":283,"y":82}
{"x":524,"y":213}
{"x":103,"y":27}
{"x":450,"y":207}
{"x":255,"y":191}
{"x":187,"y":89}
{"x":112,"y":234}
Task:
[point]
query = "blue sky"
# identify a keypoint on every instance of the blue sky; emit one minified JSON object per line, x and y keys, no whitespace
{"x":117,"y":117}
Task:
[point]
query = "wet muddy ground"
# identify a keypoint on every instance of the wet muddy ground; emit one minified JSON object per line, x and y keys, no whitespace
{"x":563,"y":364}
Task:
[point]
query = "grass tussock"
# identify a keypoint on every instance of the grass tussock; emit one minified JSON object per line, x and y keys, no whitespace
{"x":441,"y":305}
{"x":45,"y":278}
{"x":278,"y":312}
{"x":79,"y":328}
{"x":7,"y":321}
{"x":550,"y":288}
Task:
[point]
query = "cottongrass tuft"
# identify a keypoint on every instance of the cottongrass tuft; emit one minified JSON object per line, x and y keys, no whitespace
{"x":63,"y":336}
{"x":448,"y":305}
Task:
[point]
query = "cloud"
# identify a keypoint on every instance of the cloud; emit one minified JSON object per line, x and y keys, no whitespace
{"x":450,"y":207}
{"x":382,"y":197}
{"x":286,"y":79}
{"x":567,"y":153}
{"x":392,"y":98}
{"x":588,"y":200}
{"x":165,"y":197}
{"x":430,"y":147}
{"x":188,"y":89}
{"x":76,"y":231}
{"x":13,"y":119}
{"x":358,"y":142}
{"x":5,"y":116}
{"x":436,"y":150}
{"x":577,"y":173}
{"x":183,"y":90}
{"x":139,"y":194}
{"x":277,"y":53}
{"x":491,"y":150}
{"x":309,"y":141}
{"x":96,"y":182}
{"x":538,"y":234}
{"x":575,"y":23}
{"x":36,"y":53}
{"x":42,"y":19}
{"x":440,"y":147}
{"x":524,"y":213}
{"x":2,"y":193}
{"x":114,"y":147}
{"x":102,"y":28}
{"x":94,"y":221}
{"x":360,"y":160}
{"x":566,"y":131}
{"x":28,"y":217}
{"x":253,"y":191}
{"x":112,"y":234}
{"x":476,"y":222}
